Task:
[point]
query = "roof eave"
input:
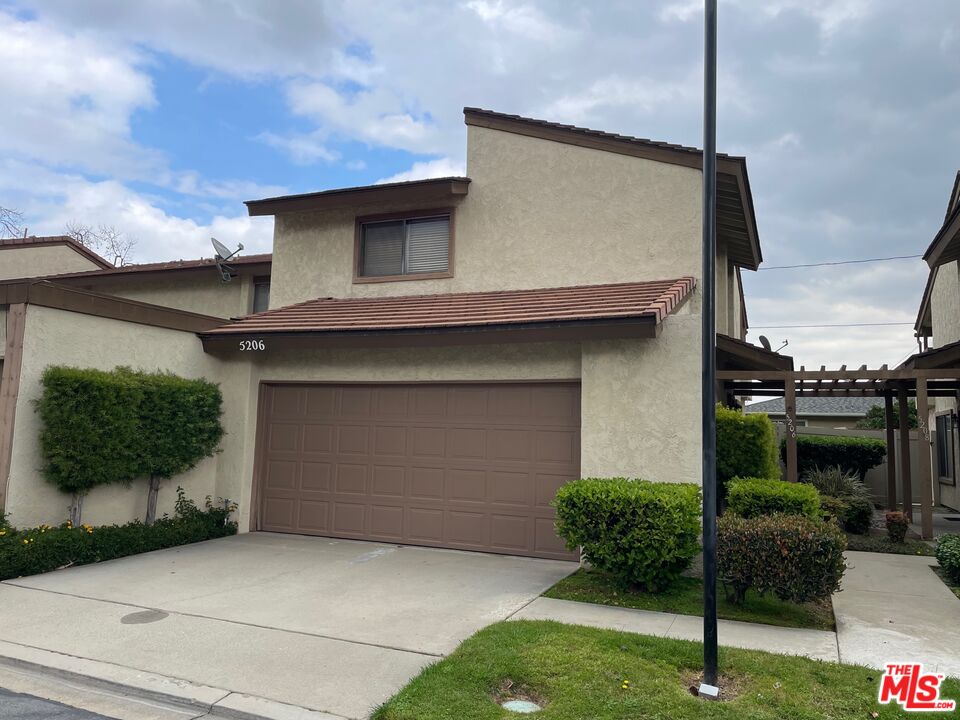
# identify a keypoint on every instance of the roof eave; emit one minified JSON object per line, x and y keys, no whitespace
{"x":945,"y":247}
{"x":412,"y":192}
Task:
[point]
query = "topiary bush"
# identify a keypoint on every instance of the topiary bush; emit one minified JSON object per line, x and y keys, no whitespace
{"x":795,"y":558}
{"x":852,"y":454}
{"x":746,"y":447}
{"x":643,"y":534}
{"x":90,"y":434}
{"x":897,"y":525}
{"x":752,"y":497}
{"x":948,"y":555}
{"x":41,"y":549}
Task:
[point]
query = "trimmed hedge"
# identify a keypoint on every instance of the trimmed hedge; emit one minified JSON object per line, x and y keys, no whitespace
{"x":643,"y":534}
{"x":746,"y":447}
{"x":948,"y":555}
{"x":112,"y":427}
{"x":852,"y":454}
{"x":41,"y":549}
{"x":753,"y":497}
{"x":90,"y":435}
{"x":795,"y":558}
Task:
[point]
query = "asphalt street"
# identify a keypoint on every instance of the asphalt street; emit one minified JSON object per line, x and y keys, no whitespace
{"x":14,"y":706}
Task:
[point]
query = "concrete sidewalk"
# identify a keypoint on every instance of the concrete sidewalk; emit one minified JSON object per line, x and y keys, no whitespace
{"x":816,"y":644}
{"x":894,"y":608}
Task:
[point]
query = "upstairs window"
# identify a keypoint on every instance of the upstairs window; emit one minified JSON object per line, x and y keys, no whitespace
{"x":261,"y":294}
{"x":404,"y":248}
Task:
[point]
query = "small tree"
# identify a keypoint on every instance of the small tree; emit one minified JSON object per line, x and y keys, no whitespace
{"x":876,"y":417}
{"x":89,"y":434}
{"x":11,"y":222}
{"x":106,"y":239}
{"x":179,"y":422}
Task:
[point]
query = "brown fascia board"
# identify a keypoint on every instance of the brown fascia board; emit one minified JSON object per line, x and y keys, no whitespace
{"x":413,"y":191}
{"x":750,"y":357}
{"x":733,"y":166}
{"x":251,"y":265}
{"x":70,"y":299}
{"x":954,"y":201}
{"x":923,"y":327}
{"x":946,"y":245}
{"x":65,"y":240}
{"x":946,"y":356}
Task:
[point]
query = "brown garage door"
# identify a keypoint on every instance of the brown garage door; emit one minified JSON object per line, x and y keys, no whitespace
{"x":466,"y":466}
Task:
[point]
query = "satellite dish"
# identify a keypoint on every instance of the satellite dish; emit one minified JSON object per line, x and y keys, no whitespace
{"x":765,"y":342}
{"x":222,"y":255}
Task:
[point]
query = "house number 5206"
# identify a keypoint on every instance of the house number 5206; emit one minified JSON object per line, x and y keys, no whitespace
{"x":249,"y":345}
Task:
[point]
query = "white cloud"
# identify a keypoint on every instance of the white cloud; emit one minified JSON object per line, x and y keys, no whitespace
{"x":301,"y":149}
{"x":441,"y":167}
{"x":68,"y":101}
{"x":519,"y":19}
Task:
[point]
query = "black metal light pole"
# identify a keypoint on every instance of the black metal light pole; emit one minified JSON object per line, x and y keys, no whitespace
{"x":708,"y":342}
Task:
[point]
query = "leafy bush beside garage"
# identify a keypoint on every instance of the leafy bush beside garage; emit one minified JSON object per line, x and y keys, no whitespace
{"x":643,"y":534}
{"x":31,"y":551}
{"x":102,"y":427}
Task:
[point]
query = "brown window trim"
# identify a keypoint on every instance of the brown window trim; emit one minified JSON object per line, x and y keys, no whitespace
{"x":359,"y":279}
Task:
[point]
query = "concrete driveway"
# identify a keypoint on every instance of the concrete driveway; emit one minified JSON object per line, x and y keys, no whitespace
{"x":331,"y":625}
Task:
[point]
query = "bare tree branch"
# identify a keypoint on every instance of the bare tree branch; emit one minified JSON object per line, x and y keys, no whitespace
{"x":105,"y":239}
{"x":11,"y":222}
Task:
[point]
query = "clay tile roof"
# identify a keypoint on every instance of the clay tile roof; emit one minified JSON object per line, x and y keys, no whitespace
{"x":651,"y":300}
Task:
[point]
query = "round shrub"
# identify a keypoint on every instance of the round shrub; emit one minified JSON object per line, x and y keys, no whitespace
{"x":833,"y":509}
{"x":795,"y":558}
{"x":643,"y":534}
{"x":948,"y":555}
{"x":859,"y":516}
{"x":752,"y":497}
{"x":897,"y":525}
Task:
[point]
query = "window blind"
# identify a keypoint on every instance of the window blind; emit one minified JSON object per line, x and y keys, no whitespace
{"x":428,"y":245}
{"x":383,"y":249}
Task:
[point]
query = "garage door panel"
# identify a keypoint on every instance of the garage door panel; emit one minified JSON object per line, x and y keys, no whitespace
{"x":388,"y":480}
{"x":471,"y":467}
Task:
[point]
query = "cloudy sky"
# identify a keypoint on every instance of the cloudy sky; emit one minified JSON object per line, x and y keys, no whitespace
{"x":162,"y":117}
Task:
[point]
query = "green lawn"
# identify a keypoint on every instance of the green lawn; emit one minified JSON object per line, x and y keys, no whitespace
{"x":880,"y":544}
{"x":577,"y":673}
{"x":686,"y":598}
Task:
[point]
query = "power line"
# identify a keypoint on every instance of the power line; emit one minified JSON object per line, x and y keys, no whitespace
{"x":841,"y":262}
{"x":828,"y":325}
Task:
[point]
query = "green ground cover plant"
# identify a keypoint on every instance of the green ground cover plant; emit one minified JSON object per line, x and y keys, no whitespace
{"x":30,"y":551}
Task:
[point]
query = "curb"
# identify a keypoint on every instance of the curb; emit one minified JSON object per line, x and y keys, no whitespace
{"x":182,"y":694}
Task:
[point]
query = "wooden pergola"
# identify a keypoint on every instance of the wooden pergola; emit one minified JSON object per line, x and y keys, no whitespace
{"x":926,"y":375}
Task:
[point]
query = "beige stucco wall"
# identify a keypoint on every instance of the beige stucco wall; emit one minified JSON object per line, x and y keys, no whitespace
{"x":641,"y":405}
{"x":945,"y":316}
{"x":195,"y":292}
{"x":538,"y":214}
{"x":58,"y":337}
{"x":40,"y":260}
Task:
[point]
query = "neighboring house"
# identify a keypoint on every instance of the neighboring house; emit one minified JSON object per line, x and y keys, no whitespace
{"x":938,"y":331}
{"x":43,"y":256}
{"x":838,"y":413}
{"x":440,"y":355}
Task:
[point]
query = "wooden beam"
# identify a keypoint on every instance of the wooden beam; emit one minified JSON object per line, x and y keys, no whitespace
{"x":781,"y":375}
{"x":10,"y":390}
{"x":790,"y":415}
{"x":891,"y":453}
{"x":926,"y":461}
{"x":906,"y":483}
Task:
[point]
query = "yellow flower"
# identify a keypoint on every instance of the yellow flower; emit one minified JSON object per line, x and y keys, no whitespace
{"x":2,"y":533}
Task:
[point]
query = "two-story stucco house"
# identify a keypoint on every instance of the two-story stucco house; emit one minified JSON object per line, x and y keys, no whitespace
{"x":938,"y":329}
{"x":439,"y":356}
